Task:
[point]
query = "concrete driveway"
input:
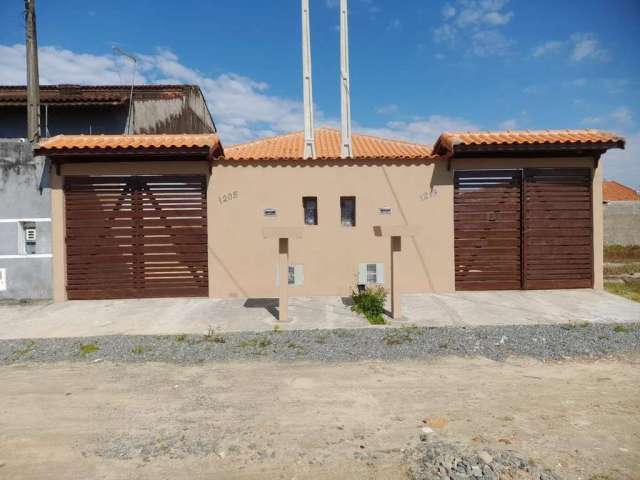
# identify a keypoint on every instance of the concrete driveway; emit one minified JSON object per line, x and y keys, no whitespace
{"x":197,"y":315}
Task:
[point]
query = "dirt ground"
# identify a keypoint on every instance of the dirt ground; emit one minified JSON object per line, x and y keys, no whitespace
{"x":322,"y":421}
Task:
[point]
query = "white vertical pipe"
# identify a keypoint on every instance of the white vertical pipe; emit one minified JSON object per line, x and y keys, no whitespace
{"x":309,"y":136}
{"x":345,"y":96}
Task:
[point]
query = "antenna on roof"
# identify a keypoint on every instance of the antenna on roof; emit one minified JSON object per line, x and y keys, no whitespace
{"x":131,"y":57}
{"x":345,"y":118}
{"x":309,"y":137}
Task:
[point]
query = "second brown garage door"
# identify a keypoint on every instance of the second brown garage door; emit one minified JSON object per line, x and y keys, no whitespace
{"x":528,"y":229}
{"x":135,"y":237}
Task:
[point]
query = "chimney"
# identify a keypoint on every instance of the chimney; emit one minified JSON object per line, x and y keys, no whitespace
{"x":33,"y":80}
{"x":345,"y":96}
{"x":309,"y":136}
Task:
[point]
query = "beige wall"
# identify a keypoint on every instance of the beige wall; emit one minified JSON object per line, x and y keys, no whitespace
{"x":243,"y":264}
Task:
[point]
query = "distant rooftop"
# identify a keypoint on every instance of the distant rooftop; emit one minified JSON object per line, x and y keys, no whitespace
{"x":613,"y":191}
{"x":66,"y":94}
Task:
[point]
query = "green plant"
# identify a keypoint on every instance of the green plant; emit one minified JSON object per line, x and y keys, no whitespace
{"x":181,"y":338}
{"x":398,"y":336}
{"x":138,"y":350}
{"x":627,"y":290}
{"x":370,"y":303}
{"x":28,"y":348}
{"x":87,"y":348}
{"x":620,"y":329}
{"x":212,"y":335}
{"x":277,"y":329}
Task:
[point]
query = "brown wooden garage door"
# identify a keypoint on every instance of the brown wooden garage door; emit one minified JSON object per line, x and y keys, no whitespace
{"x":487,"y":230}
{"x":134,"y":237}
{"x":523,"y":229}
{"x":558,"y":239}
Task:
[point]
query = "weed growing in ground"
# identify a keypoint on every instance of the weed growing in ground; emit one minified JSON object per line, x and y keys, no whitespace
{"x":214,"y":336}
{"x":139,"y":350}
{"x":574,"y":326}
{"x":28,"y":348}
{"x":88,"y":348}
{"x":322,"y":338}
{"x":370,"y":303}
{"x":277,"y":329}
{"x":181,"y":338}
{"x":620,"y":329}
{"x":398,"y":336}
{"x":260,"y":342}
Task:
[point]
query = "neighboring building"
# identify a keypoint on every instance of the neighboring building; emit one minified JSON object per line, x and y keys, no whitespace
{"x":621,"y":214}
{"x":613,"y":191}
{"x":491,"y":210}
{"x":25,"y":211}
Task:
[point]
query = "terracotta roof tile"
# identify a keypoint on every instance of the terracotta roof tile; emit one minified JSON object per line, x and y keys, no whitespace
{"x":66,"y":144}
{"x":448,"y":141}
{"x":291,"y":146}
{"x":616,"y":192}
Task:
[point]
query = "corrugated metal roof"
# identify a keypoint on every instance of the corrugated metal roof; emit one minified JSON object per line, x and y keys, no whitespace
{"x":88,"y":94}
{"x":448,"y":141}
{"x":291,"y":147}
{"x":75,"y":144}
{"x":616,"y":192}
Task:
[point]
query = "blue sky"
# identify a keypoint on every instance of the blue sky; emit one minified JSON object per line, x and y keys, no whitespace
{"x":418,"y":66}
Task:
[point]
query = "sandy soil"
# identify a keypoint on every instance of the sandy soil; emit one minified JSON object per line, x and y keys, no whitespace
{"x":321,"y":421}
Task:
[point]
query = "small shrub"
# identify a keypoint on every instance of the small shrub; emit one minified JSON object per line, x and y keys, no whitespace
{"x":88,"y":348}
{"x":620,"y":329}
{"x":370,"y":303}
{"x":181,"y":338}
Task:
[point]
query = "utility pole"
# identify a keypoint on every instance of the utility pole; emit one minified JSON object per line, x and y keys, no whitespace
{"x":33,"y":79}
{"x":309,"y":135}
{"x":345,"y":94}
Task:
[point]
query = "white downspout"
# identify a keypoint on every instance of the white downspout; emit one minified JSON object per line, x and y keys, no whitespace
{"x":309,"y":136}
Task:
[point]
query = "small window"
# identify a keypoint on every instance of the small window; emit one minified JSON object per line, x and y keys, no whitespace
{"x":310,"y":206}
{"x":371,"y":274}
{"x":348,"y":211}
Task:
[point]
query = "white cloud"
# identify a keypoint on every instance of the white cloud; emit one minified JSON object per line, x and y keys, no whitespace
{"x":475,"y":23}
{"x":421,"y":130}
{"x":546,"y":48}
{"x":511,"y":124}
{"x":448,"y":11}
{"x":387,"y":109}
{"x":623,"y":116}
{"x":623,"y":165}
{"x":592,"y":120}
{"x":394,"y":25}
{"x":242,"y":107}
{"x":587,"y":47}
{"x":486,"y":43}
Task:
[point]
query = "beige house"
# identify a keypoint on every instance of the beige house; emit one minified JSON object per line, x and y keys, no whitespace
{"x":178,"y":215}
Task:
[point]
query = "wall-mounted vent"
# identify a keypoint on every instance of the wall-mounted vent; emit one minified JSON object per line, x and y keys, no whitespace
{"x":371,"y":274}
{"x":27,"y":238}
{"x":270,"y":212}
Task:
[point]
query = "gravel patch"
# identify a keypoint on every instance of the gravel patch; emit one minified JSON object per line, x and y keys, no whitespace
{"x":436,"y":460}
{"x":544,"y":342}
